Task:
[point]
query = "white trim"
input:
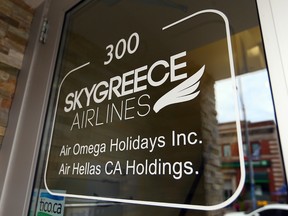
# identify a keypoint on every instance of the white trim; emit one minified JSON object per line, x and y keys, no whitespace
{"x":17,"y":159}
{"x":273,"y":17}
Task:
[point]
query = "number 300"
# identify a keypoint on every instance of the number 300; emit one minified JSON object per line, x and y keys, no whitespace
{"x":121,"y":47}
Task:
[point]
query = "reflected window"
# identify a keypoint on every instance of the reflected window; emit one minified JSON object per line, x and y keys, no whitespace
{"x":256,"y":151}
{"x":227,"y":150}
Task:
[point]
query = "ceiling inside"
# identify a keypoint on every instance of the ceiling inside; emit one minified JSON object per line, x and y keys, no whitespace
{"x":94,"y":23}
{"x":33,"y":3}
{"x":246,"y":36}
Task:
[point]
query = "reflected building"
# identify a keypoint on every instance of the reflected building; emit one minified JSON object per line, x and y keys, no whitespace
{"x":266,"y":157}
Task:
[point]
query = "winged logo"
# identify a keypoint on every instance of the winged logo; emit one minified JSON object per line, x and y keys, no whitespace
{"x":183,"y":92}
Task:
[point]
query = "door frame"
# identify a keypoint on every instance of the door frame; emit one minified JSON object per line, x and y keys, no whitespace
{"x":21,"y":144}
{"x":272,"y":14}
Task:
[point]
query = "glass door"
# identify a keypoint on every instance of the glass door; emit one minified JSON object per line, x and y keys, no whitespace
{"x":160,"y":108}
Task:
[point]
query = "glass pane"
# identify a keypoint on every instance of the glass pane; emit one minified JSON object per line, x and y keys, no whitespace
{"x":159,"y":104}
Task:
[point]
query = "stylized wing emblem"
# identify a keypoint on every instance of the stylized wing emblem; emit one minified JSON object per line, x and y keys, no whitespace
{"x":185,"y":91}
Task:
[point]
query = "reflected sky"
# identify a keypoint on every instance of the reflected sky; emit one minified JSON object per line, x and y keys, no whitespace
{"x":256,"y":96}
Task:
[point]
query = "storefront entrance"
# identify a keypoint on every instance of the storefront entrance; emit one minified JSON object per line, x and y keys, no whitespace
{"x":155,"y":108}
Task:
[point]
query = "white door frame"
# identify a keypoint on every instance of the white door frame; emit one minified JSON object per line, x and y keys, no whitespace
{"x":273,"y":17}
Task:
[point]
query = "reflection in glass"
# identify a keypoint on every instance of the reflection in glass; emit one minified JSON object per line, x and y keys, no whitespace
{"x":265,"y":177}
